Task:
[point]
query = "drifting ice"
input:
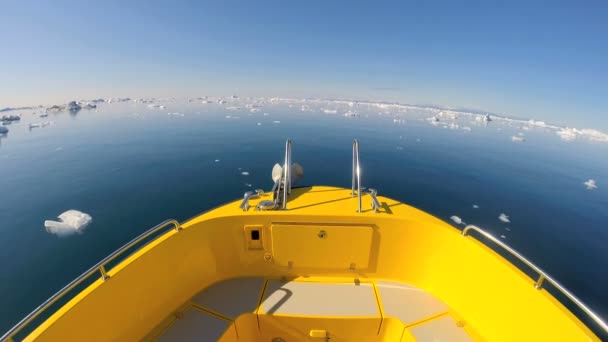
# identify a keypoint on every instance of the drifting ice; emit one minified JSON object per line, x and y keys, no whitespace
{"x":504,"y":218}
{"x":70,"y":222}
{"x":590,"y":184}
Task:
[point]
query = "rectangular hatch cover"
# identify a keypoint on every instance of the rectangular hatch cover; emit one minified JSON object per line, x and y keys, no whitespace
{"x":321,"y":246}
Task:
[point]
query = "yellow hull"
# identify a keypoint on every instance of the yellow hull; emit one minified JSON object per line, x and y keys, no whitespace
{"x":319,"y":252}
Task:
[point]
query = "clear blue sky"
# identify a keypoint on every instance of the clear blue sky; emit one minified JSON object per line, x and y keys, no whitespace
{"x":545,"y":60}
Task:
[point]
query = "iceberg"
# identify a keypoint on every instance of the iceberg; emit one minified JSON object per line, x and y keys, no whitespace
{"x":70,"y":222}
{"x":73,"y":106}
{"x":567,"y":134}
{"x":504,"y":218}
{"x":456,"y":219}
{"x":591,"y":184}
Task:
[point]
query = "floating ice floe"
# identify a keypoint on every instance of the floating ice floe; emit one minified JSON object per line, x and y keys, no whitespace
{"x":233,"y":108}
{"x":503,"y":236}
{"x":518,"y":138}
{"x":457,"y":219}
{"x":594,"y":135}
{"x":249,"y":185}
{"x":591,"y":184}
{"x":475,"y":206}
{"x":44,"y":115}
{"x":175,"y":114}
{"x":567,"y":134}
{"x":276,"y":122}
{"x":254,"y":110}
{"x":216,"y":161}
{"x":40,"y":124}
{"x":10,"y":118}
{"x":259,"y":124}
{"x":266,"y":114}
{"x":70,"y":222}
{"x":330,"y":111}
{"x":73,"y":106}
{"x":156,"y":106}
{"x":245,"y":173}
{"x":504,"y":218}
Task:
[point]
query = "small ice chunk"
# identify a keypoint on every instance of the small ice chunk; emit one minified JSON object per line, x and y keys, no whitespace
{"x":70,"y":222}
{"x":330,"y":111}
{"x":259,"y":124}
{"x":249,"y":185}
{"x":400,"y":148}
{"x":508,"y":229}
{"x":266,"y":114}
{"x":276,"y":122}
{"x":567,"y":134}
{"x":456,"y":219}
{"x":504,"y":218}
{"x":217,"y":160}
{"x":245,"y":173}
{"x":503,"y":237}
{"x":518,"y":139}
{"x":591,"y":184}
{"x":475,"y":206}
{"x":254,"y":110}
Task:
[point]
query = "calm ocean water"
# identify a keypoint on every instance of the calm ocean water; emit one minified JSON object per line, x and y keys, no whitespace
{"x":130,"y":166}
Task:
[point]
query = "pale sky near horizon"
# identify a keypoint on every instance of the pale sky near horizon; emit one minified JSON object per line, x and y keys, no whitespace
{"x":535,"y":59}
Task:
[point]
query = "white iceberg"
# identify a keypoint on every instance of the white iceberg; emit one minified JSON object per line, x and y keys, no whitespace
{"x":567,"y":134}
{"x":456,"y":219}
{"x":590,"y":184}
{"x":70,"y":222}
{"x":504,"y":218}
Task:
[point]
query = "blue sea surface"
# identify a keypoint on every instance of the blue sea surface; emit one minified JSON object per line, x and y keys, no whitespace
{"x":131,"y":166}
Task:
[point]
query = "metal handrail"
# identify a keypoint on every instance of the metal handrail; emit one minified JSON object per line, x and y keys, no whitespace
{"x":356,"y":173}
{"x":286,"y":173}
{"x":542,"y":276}
{"x":99,"y":267}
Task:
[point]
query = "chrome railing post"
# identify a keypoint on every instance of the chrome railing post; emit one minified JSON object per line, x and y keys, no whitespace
{"x":104,"y":274}
{"x":539,"y":282}
{"x":357,"y":173}
{"x":286,"y":173}
{"x":542,"y":276}
{"x":354,"y":167}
